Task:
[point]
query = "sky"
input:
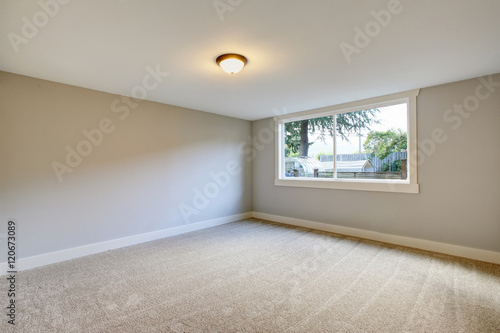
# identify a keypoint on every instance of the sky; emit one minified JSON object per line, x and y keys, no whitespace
{"x":393,"y":116}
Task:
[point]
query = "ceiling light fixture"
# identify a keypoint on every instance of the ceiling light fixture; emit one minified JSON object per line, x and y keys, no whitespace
{"x":231,"y":63}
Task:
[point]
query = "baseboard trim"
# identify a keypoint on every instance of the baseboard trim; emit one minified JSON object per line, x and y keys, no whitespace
{"x":81,"y":251}
{"x":454,"y":250}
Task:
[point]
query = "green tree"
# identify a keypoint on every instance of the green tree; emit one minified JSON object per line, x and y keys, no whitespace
{"x":297,"y":132}
{"x":382,"y":144}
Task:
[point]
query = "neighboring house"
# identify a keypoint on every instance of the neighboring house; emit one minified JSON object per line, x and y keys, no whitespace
{"x":306,"y":166}
{"x":349,"y":166}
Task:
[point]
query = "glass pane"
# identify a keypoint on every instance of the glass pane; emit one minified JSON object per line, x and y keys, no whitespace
{"x":372,"y":144}
{"x":309,"y":148}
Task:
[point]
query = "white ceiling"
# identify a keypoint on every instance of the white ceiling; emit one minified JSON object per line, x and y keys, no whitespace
{"x":295,"y":61}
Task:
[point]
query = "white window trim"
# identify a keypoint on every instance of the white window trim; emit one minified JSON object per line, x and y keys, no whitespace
{"x":410,"y":185}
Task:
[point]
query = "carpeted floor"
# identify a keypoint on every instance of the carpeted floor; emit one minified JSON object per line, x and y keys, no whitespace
{"x":255,"y":276}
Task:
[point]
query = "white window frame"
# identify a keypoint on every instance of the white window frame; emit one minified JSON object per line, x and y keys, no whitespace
{"x":409,"y":185}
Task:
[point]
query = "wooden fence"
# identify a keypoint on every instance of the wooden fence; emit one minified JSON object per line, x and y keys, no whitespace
{"x":362,"y":175}
{"x":376,"y":162}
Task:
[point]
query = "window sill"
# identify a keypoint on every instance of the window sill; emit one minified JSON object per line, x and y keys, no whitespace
{"x":395,"y":186}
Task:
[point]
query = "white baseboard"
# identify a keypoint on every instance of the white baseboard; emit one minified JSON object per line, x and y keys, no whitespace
{"x":81,"y":251}
{"x":454,"y":250}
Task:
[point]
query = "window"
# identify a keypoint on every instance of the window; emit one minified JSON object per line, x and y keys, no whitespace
{"x":367,"y":145}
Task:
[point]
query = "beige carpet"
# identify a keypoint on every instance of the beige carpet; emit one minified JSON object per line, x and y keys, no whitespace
{"x":255,"y":276}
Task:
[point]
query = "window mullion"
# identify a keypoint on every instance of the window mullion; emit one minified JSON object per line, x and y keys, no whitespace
{"x":334,"y":147}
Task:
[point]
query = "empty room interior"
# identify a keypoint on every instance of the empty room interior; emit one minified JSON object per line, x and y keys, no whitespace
{"x":249,"y":166}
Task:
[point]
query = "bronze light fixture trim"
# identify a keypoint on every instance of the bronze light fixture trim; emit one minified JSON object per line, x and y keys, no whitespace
{"x":231,"y":63}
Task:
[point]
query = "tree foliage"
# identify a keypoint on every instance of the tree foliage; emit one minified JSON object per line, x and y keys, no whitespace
{"x":382,"y":144}
{"x":297,"y":132}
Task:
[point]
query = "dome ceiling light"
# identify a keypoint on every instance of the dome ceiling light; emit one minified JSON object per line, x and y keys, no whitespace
{"x":231,"y":63}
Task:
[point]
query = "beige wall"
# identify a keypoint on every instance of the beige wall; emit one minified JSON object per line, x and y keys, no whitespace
{"x":459,"y":200}
{"x":151,"y":163}
{"x":134,"y":181}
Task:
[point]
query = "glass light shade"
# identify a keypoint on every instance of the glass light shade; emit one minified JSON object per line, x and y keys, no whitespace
{"x":231,"y":66}
{"x":231,"y":63}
